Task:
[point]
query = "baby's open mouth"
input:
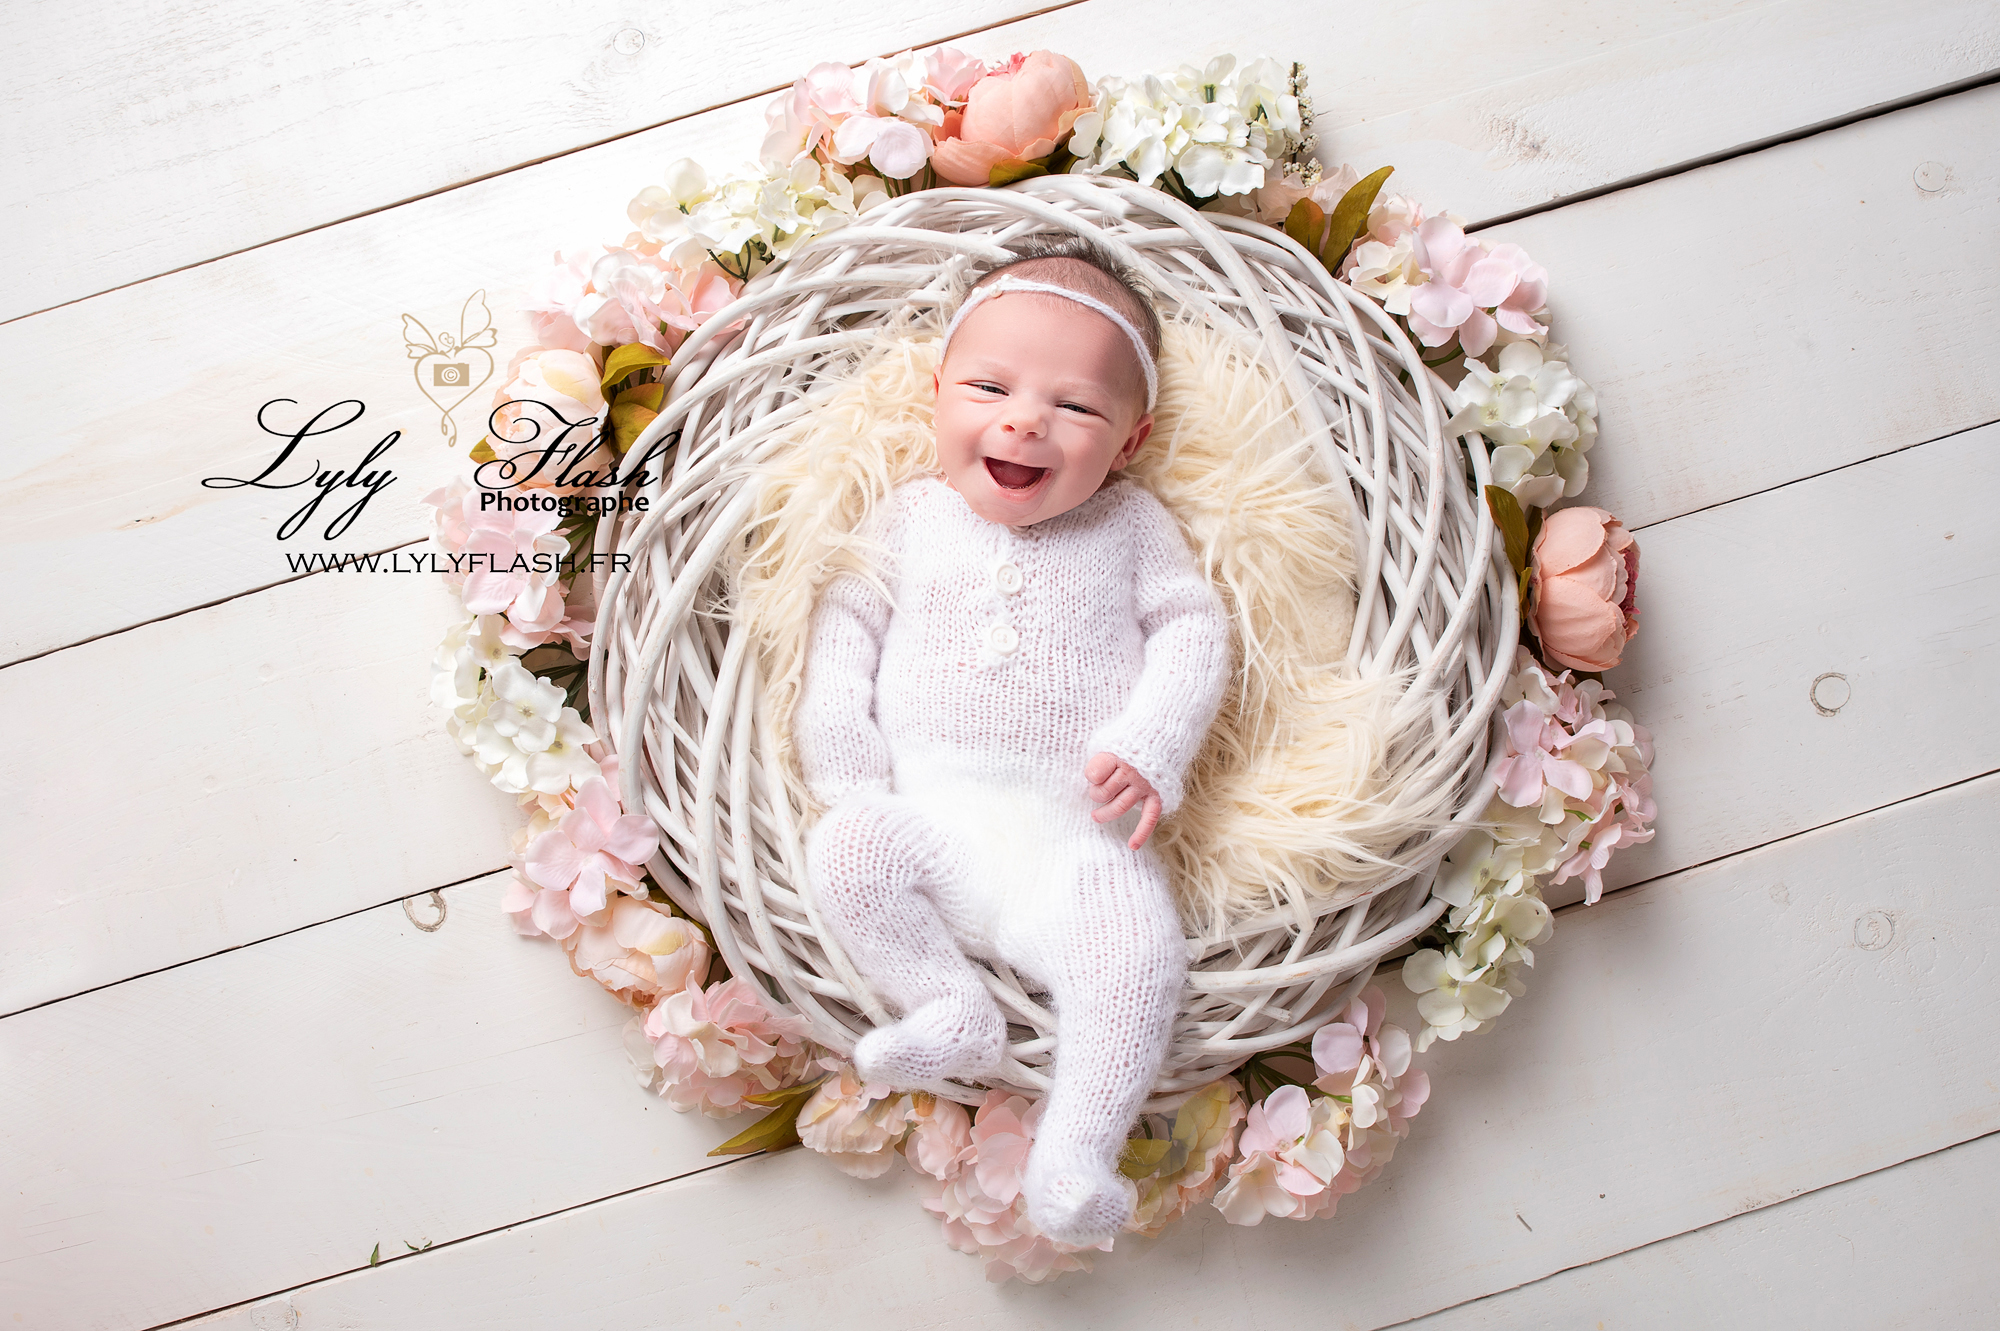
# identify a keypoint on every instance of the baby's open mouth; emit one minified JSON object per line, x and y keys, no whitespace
{"x":1012,"y":475}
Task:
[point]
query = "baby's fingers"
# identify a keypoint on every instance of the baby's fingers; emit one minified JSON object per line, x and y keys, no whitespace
{"x":1131,"y":796}
{"x":1147,"y":822}
{"x":1119,"y":779}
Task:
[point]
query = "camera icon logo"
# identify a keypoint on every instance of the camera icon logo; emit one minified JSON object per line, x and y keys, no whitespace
{"x":455,"y":375}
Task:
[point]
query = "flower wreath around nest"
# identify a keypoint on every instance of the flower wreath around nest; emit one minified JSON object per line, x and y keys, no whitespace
{"x":544,"y":525}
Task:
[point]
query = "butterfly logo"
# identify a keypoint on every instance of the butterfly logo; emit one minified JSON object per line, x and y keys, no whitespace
{"x":449,"y":369}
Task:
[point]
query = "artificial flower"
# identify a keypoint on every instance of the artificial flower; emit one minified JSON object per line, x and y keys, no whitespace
{"x":595,"y":843}
{"x":1533,"y":409}
{"x":1216,"y":129}
{"x":979,"y":1198}
{"x":1016,"y":114}
{"x":1291,"y":1153}
{"x":1198,"y":1145}
{"x":1472,"y":292}
{"x":1584,"y":588}
{"x":640,"y":952}
{"x":718,"y":1045}
{"x":855,"y":1124}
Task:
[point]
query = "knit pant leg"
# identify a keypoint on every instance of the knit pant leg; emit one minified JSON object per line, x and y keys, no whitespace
{"x":875,"y":863}
{"x":1115,"y":973}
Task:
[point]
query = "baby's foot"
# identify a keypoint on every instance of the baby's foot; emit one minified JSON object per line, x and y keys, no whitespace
{"x":1072,"y":1200}
{"x":943,"y":1038}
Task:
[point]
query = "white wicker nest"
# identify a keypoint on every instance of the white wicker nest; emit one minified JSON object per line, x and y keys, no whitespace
{"x":676,"y":691}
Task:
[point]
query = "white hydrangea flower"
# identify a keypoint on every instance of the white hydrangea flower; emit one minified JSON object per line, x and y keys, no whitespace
{"x":745,"y":221}
{"x":526,"y":707}
{"x":1539,"y":416}
{"x":1217,"y":128}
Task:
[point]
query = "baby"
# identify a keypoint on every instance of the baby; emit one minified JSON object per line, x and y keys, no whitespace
{"x":1050,"y":660}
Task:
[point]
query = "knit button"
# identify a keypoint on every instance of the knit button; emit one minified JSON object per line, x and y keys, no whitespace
{"x":1008,"y":579}
{"x":1002,"y":638}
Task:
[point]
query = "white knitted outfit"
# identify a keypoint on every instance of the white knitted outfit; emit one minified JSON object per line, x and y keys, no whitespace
{"x":947,"y":738}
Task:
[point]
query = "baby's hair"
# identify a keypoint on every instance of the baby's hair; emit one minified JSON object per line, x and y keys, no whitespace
{"x":1074,"y":261}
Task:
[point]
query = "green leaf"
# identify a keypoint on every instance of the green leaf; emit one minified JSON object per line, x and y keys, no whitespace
{"x":628,"y":421}
{"x":629,"y":359}
{"x":1513,"y":524}
{"x":777,"y":1129}
{"x":375,"y":1258}
{"x":1350,"y":219}
{"x":1142,"y":1156}
{"x":1006,"y":173}
{"x":1306,"y":223}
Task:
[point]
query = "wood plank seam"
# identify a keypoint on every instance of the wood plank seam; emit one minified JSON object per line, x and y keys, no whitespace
{"x":721,"y":1164}
{"x":257,"y":942}
{"x":1667,"y":1238}
{"x":453,"y":1243}
{"x":519,"y":166}
{"x":1874,"y":112}
{"x":206,"y":605}
{"x":1769,"y":489}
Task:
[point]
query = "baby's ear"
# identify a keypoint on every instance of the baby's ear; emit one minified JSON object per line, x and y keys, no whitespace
{"x":1140,"y":430}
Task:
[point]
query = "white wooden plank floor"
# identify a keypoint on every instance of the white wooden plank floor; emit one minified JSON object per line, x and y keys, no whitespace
{"x":230,"y":1065}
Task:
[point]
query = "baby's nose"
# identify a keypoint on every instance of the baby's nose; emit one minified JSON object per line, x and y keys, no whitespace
{"x":1021,"y":418}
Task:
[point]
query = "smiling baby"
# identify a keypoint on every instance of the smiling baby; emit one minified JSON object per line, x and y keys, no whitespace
{"x":1048,"y":660}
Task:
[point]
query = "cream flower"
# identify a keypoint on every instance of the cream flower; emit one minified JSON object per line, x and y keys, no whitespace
{"x":1216,"y":128}
{"x":745,"y":221}
{"x":1535,"y":410}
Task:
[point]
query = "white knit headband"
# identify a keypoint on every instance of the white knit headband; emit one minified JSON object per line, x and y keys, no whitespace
{"x":1008,"y":282}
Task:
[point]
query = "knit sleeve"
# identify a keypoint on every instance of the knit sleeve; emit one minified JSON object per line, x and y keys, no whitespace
{"x":1187,"y":662}
{"x":840,"y":746}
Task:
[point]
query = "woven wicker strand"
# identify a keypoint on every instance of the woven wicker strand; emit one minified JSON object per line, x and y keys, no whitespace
{"x":675,"y":689}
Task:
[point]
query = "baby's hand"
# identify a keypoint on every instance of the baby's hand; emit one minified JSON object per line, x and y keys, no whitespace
{"x":1117,"y":782}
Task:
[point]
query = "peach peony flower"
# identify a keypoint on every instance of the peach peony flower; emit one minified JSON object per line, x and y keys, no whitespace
{"x":1585,"y":578}
{"x":640,"y":953}
{"x":717,"y":1046}
{"x":1015,"y":115}
{"x":856,"y":1124}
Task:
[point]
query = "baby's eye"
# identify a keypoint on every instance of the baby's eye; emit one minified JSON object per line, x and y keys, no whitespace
{"x":1077,"y":407}
{"x":995,"y":389}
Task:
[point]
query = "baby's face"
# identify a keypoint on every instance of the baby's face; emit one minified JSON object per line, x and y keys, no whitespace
{"x":1039,"y":399}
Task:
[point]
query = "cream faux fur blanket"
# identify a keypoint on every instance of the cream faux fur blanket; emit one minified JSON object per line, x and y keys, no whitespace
{"x":1287,"y":804}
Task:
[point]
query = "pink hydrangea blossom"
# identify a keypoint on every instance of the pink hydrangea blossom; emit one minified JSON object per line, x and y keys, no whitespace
{"x":1472,"y":292}
{"x":940,"y":1134}
{"x":884,"y":112}
{"x":595,"y":842}
{"x":717,"y":1046}
{"x":1368,"y":1061}
{"x":978,"y":1196}
{"x":536,"y":911}
{"x":615,"y":296}
{"x":1290,"y":1155}
{"x":1578,"y":757}
{"x":514,"y":570}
